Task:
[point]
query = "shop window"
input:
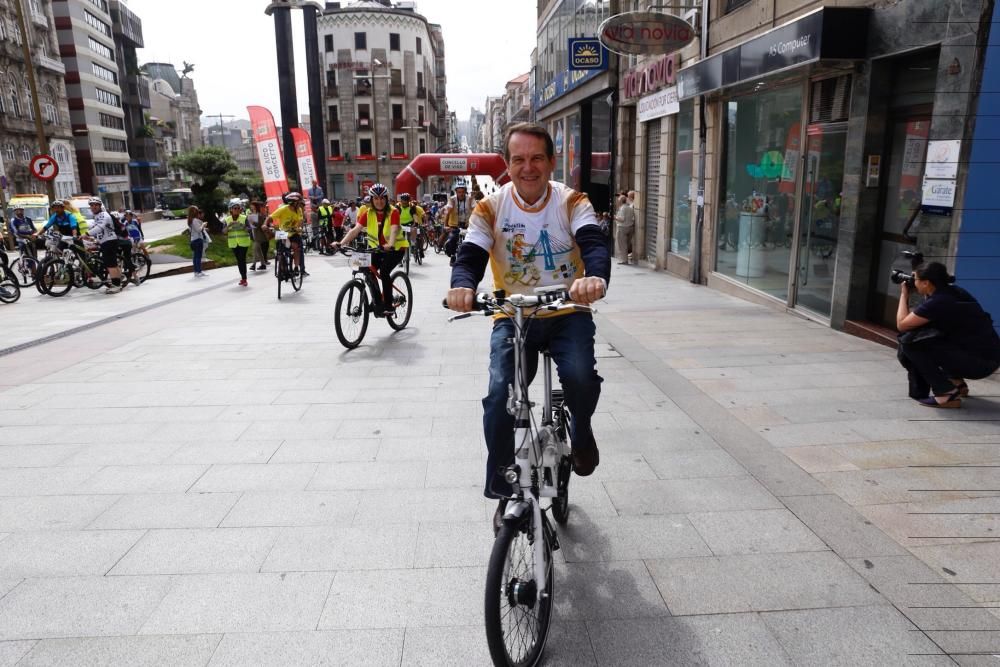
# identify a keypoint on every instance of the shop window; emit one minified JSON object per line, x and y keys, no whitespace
{"x":680,"y":229}
{"x":757,"y":212}
{"x":559,"y":141}
{"x":573,"y":150}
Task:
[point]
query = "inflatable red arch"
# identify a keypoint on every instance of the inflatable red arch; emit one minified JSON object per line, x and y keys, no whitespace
{"x":450,"y":164}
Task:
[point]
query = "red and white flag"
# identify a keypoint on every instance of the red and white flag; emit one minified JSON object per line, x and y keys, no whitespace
{"x":307,"y":168}
{"x":265,"y":135}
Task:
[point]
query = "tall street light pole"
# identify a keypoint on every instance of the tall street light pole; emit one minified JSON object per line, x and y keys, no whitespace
{"x":43,"y":142}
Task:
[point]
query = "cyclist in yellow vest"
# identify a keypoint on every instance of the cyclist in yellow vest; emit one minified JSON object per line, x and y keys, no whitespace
{"x":381,"y":223}
{"x":410,"y":216}
{"x":325,"y":215}
{"x":238,"y":236}
{"x":289,"y":218}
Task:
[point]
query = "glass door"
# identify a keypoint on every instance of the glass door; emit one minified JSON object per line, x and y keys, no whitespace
{"x":819,"y":222}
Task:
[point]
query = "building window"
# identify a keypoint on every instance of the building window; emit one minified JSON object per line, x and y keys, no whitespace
{"x":100,"y":49}
{"x":680,"y":229}
{"x":365,"y":147}
{"x":100,"y":4}
{"x":97,"y":24}
{"x":734,"y":4}
{"x":398,"y":146}
{"x":8,"y":153}
{"x":420,"y":79}
{"x":328,"y":43}
{"x":364,"y":111}
{"x":15,"y":98}
{"x":419,"y":46}
{"x":361,"y":41}
{"x":25,"y":153}
{"x":331,"y":78}
{"x":423,"y":145}
{"x":109,"y":168}
{"x":397,"y":112}
{"x":115,"y":145}
{"x":394,"y":41}
{"x":104,"y":73}
{"x":334,"y":147}
{"x":334,"y":113}
{"x":113,"y":122}
{"x":420,"y":114}
{"x":105,"y":97}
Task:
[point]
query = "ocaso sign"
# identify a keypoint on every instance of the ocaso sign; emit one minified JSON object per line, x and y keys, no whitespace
{"x":639,"y":33}
{"x":650,"y":76}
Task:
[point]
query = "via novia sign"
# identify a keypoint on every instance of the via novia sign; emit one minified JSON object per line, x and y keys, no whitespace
{"x":44,"y":167}
{"x":642,"y":33}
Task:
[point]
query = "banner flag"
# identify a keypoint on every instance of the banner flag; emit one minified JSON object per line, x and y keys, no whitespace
{"x":307,"y":168}
{"x":265,"y":135}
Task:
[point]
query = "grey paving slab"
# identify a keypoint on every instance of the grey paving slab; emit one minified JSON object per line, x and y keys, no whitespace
{"x":754,"y":531}
{"x":198,"y":551}
{"x":468,"y":446}
{"x":920,"y":529}
{"x":803,"y":435}
{"x":450,"y":645}
{"x":609,"y":589}
{"x":368,"y":428}
{"x":261,"y":412}
{"x":142,"y":479}
{"x":116,"y":454}
{"x":51,"y":512}
{"x":369,"y":475}
{"x":255,"y":477}
{"x":342,"y":548}
{"x":364,"y":648}
{"x":386,"y":506}
{"x":680,"y":496}
{"x":976,"y":566}
{"x":618,"y":466}
{"x":214,"y":603}
{"x":410,"y":598}
{"x":34,"y":456}
{"x":79,"y":606}
{"x":759,"y":582}
{"x":729,"y":639}
{"x":51,"y":481}
{"x":177,"y":651}
{"x":851,"y":636}
{"x":7,"y":585}
{"x":11,"y":652}
{"x":326,"y":451}
{"x":843,"y":528}
{"x":463,"y":472}
{"x":242,"y":451}
{"x":910,"y":484}
{"x":295,"y":508}
{"x":64,"y":553}
{"x":453,"y":544}
{"x":588,"y":539}
{"x":166,"y":510}
{"x":686,"y":465}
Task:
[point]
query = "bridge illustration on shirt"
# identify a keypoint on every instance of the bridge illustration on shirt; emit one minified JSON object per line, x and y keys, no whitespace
{"x":522,"y":259}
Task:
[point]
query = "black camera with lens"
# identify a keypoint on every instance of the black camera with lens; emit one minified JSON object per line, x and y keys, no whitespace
{"x":899,"y":277}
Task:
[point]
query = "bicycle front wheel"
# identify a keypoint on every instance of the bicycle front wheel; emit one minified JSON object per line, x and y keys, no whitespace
{"x":296,"y":278}
{"x":517,"y":613}
{"x":56,"y":277}
{"x":402,"y":301}
{"x":351,"y":314}
{"x":142,"y":266}
{"x":25,"y":270}
{"x":10,"y":291}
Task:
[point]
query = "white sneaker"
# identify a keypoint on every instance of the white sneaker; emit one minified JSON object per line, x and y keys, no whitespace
{"x":113,"y":289}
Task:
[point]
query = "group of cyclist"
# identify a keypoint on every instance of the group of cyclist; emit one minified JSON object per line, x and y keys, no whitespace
{"x":115,"y":234}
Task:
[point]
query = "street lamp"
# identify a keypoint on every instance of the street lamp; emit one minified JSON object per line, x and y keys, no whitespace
{"x":378,"y":158}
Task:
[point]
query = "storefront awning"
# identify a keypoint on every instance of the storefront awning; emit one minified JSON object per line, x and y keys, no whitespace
{"x":830,"y":33}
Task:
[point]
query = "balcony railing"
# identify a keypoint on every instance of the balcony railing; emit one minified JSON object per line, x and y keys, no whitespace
{"x":51,"y":64}
{"x":364,"y":123}
{"x":432,"y":101}
{"x":398,"y":123}
{"x":397,"y":89}
{"x":421,"y":92}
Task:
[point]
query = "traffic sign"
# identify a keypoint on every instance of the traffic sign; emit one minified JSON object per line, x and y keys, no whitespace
{"x":44,"y":167}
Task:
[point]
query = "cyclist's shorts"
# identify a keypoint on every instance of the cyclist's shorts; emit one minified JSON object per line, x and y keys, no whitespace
{"x":109,"y":254}
{"x":295,"y":238}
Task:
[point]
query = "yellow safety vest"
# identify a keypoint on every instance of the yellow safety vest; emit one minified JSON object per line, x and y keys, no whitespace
{"x":408,"y":214}
{"x":325,"y":214}
{"x":237,"y":232}
{"x":401,"y":241}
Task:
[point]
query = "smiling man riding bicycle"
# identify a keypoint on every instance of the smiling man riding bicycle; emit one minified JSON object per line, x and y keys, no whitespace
{"x":536,"y":233}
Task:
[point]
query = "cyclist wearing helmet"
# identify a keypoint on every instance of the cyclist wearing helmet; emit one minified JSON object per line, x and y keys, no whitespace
{"x":325,"y":215}
{"x":410,"y":216}
{"x":381,"y":223}
{"x":22,"y":230}
{"x":457,"y":213}
{"x":288,"y":218}
{"x":102,"y":230}
{"x":64,"y":222}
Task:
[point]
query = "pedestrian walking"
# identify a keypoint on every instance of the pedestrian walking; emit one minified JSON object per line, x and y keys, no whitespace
{"x":238,"y":236}
{"x":261,"y":241}
{"x":624,"y":228}
{"x":197,"y":237}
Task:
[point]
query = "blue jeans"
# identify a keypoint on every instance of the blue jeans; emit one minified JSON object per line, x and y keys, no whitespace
{"x":570,"y":340}
{"x":196,"y":247}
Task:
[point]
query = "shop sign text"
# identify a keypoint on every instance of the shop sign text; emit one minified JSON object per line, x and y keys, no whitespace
{"x":661,"y":103}
{"x":650,"y":76}
{"x":638,"y":33}
{"x":587,"y":54}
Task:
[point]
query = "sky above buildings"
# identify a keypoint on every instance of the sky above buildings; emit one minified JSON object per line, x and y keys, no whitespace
{"x":231,"y":44}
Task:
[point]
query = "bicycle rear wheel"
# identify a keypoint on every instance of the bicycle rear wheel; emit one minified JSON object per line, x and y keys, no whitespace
{"x":350,"y":318}
{"x":517,"y":613}
{"x":280,"y":270}
{"x":402,"y":301}
{"x":10,"y":291}
{"x":25,"y":271}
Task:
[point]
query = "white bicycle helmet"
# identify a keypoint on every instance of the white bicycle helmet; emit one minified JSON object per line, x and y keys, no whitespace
{"x":325,"y":202}
{"x":95,"y":200}
{"x":233,"y":203}
{"x":293,"y":196}
{"x":378,"y":190}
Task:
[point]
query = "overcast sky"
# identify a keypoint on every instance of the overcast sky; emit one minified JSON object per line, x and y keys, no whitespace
{"x":231,"y":44}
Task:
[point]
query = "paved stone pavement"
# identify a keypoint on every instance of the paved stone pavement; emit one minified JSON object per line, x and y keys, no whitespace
{"x":215,"y":481}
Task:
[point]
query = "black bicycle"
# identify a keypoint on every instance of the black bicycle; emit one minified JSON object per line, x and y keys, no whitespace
{"x":359,"y":296}
{"x":284,"y":269}
{"x":10,"y":291}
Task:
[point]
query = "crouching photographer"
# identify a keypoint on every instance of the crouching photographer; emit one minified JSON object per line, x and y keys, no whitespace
{"x":946,"y":340}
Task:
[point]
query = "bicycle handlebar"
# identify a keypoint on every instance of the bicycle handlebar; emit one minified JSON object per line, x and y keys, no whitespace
{"x":552,"y":298}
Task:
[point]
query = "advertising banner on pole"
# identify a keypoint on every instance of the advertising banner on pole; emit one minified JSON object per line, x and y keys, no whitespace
{"x":265,"y":135}
{"x":307,"y":167}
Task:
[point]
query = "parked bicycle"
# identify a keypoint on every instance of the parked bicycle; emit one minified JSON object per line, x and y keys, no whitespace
{"x":25,"y":267}
{"x":360,"y":295}
{"x":519,"y":578}
{"x":74,"y":266}
{"x":284,"y":269}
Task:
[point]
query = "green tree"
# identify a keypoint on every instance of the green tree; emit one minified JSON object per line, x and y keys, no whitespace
{"x":246,"y":182}
{"x":209,"y":165}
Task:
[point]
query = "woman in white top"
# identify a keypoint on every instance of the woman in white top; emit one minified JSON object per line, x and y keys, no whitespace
{"x":196,"y":228}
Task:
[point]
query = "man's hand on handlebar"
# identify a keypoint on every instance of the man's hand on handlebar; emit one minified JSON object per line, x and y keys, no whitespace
{"x":460,"y":299}
{"x":586,"y":291}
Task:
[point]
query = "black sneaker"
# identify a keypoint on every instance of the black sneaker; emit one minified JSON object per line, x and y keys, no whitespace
{"x":498,"y":516}
{"x":586,"y":459}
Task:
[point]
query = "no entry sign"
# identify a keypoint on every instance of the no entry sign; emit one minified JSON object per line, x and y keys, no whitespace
{"x":44,"y":167}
